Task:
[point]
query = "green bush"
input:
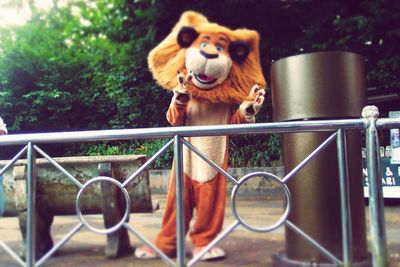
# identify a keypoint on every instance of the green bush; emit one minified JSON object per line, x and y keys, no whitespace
{"x":144,"y":147}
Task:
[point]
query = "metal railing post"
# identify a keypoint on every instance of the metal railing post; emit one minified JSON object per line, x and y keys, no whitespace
{"x":180,"y":215}
{"x":31,"y":207}
{"x":376,"y":207}
{"x":344,"y":199}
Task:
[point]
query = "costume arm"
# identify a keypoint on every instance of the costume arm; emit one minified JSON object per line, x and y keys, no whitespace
{"x":176,"y":113}
{"x":246,"y":113}
{"x":238,"y":117}
{"x":3,"y":128}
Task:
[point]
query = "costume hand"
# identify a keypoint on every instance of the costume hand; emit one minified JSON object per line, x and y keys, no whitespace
{"x":252,"y":105}
{"x":181,"y":94}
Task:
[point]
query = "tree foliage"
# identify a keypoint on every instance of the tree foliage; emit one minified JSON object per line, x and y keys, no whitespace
{"x":83,"y":66}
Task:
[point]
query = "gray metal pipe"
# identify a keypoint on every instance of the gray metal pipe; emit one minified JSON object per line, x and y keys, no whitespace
{"x":180,"y":213}
{"x":345,"y":199}
{"x":376,"y":208}
{"x":184,"y":131}
{"x":31,"y":208}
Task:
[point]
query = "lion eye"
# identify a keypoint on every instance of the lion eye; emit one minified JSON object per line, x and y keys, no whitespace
{"x":204,"y":44}
{"x":219,"y":48}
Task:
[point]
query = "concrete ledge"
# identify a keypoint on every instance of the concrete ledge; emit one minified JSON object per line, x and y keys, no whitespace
{"x":58,"y":193}
{"x":82,"y":159}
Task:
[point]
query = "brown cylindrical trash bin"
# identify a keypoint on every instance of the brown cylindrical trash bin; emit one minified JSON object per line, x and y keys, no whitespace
{"x":324,"y":85}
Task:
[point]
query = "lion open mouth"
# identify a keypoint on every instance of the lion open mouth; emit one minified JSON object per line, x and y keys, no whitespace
{"x":204,"y":79}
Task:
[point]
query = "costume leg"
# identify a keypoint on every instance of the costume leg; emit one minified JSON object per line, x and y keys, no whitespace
{"x":210,"y":210}
{"x":166,"y":240}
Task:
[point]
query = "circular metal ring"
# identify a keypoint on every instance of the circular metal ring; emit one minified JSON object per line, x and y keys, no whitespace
{"x":127,"y":209}
{"x":267,"y":176}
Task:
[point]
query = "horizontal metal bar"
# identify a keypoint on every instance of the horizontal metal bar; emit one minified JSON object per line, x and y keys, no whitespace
{"x":183,"y":131}
{"x":387,"y":123}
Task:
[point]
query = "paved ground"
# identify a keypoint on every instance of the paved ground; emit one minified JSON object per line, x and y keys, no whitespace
{"x":244,"y":248}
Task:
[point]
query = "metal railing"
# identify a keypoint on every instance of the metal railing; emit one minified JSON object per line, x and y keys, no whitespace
{"x":369,"y":123}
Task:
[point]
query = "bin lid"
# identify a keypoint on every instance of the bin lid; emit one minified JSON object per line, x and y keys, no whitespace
{"x":318,"y":85}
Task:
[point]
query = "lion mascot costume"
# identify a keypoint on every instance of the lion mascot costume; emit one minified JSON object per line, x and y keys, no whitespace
{"x":211,"y":71}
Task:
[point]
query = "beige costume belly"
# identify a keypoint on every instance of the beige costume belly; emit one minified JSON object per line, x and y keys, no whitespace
{"x":213,"y":147}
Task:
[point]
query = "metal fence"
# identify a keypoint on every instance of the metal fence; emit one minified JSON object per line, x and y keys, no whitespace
{"x":370,"y":124}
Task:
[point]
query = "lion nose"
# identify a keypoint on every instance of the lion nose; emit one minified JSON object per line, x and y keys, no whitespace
{"x":208,"y":55}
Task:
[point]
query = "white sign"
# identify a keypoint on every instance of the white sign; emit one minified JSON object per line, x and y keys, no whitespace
{"x":395,"y":139}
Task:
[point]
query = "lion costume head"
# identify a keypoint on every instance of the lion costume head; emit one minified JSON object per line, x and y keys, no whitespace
{"x":236,"y":69}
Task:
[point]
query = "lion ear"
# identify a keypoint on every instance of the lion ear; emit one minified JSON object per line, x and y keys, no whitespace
{"x":192,"y":18}
{"x":239,"y":50}
{"x":186,"y":36}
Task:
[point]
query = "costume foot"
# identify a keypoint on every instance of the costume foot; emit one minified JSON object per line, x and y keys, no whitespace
{"x":145,"y":253}
{"x":214,"y":253}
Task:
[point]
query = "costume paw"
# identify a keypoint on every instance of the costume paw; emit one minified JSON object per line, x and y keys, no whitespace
{"x":181,"y":94}
{"x":145,"y":253}
{"x":252,"y":105}
{"x":214,"y":253}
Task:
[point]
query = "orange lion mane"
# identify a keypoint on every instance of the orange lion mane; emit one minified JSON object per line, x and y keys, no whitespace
{"x":168,"y":57}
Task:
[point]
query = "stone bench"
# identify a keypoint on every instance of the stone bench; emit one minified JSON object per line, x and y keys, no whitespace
{"x":57,"y":193}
